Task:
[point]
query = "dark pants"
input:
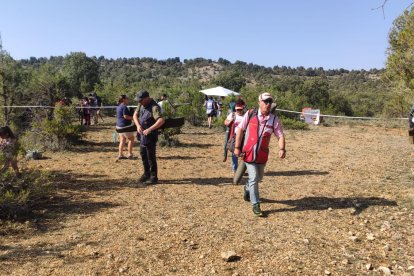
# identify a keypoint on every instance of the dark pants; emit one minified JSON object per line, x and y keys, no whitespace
{"x":149,"y":160}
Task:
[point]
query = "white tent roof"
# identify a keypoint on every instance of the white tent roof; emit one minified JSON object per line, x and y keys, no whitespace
{"x":219,"y":91}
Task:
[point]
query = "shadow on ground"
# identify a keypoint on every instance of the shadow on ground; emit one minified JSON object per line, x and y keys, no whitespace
{"x":85,"y":146}
{"x":198,"y":181}
{"x":295,"y":173}
{"x":177,"y":157}
{"x":194,"y":145}
{"x":323,"y":203}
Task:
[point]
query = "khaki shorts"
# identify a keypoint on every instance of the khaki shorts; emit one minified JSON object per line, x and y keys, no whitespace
{"x":128,"y":135}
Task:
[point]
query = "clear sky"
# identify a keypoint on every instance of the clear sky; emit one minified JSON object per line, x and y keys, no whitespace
{"x":311,"y":33}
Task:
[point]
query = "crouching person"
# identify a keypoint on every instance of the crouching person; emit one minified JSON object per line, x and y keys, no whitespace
{"x":8,"y":145}
{"x":257,"y":127}
{"x":148,"y":119}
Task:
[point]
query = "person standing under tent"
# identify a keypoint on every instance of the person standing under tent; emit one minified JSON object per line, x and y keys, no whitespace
{"x":211,"y":108}
{"x":220,"y":105}
{"x":258,"y":125}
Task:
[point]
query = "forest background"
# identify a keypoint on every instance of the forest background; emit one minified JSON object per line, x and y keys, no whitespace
{"x":377,"y":92}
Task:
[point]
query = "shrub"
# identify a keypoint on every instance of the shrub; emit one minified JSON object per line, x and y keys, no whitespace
{"x":166,"y":137}
{"x":56,"y":133}
{"x":19,"y":194}
{"x":289,"y":123}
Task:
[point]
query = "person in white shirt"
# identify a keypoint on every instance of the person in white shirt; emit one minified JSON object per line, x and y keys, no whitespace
{"x":233,"y":120}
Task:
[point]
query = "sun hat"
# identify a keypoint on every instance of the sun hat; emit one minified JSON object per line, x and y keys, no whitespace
{"x":265,"y":96}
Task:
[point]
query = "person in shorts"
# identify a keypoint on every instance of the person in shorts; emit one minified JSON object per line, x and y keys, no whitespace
{"x":124,"y":119}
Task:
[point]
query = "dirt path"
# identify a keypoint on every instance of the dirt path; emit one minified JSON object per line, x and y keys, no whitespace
{"x":342,"y":199}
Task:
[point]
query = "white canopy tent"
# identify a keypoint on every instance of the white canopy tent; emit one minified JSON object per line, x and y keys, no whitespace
{"x":219,"y":91}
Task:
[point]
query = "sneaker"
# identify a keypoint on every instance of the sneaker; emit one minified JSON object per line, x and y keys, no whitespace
{"x":256,"y":210}
{"x":130,"y":157}
{"x":151,"y":180}
{"x":246,"y":195}
{"x":143,"y":178}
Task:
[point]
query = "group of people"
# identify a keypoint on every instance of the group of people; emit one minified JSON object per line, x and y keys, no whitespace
{"x":251,"y":132}
{"x":143,"y":123}
{"x":90,"y":107}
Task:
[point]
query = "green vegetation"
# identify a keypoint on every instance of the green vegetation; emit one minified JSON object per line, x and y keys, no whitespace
{"x":43,"y":81}
{"x":19,"y":194}
{"x":400,"y":63}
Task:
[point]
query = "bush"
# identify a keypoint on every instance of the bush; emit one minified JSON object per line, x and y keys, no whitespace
{"x":166,"y":137}
{"x":289,"y":123}
{"x":57,"y":133}
{"x":19,"y":194}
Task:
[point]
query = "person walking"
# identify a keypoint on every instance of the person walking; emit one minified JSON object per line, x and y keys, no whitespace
{"x":123,"y":120}
{"x":211,"y":109}
{"x":257,"y":126}
{"x":148,"y":119}
{"x":232,"y":121}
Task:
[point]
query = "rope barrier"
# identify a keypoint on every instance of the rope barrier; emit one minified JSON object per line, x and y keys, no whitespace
{"x":338,"y":116}
{"x":281,"y":110}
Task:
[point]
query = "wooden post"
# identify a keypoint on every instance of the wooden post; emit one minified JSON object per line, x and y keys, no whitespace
{"x":411,"y":135}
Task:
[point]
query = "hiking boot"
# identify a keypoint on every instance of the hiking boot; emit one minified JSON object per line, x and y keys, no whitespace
{"x":143,"y":178}
{"x":256,"y":210}
{"x":246,"y":195}
{"x":151,"y":181}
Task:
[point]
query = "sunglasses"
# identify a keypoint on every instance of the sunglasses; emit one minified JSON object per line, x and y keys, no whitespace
{"x":268,"y":101}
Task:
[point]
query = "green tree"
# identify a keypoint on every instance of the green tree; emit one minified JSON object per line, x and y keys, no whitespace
{"x":48,"y":86}
{"x":11,"y":79}
{"x":400,"y":62}
{"x":316,"y":91}
{"x":230,"y":80}
{"x":81,"y":72}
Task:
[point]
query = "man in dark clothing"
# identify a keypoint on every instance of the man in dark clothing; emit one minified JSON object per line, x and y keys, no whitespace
{"x":411,"y":118}
{"x":148,"y":119}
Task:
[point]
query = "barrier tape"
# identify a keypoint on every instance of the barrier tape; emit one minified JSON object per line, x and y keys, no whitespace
{"x":338,"y":116}
{"x":281,"y":110}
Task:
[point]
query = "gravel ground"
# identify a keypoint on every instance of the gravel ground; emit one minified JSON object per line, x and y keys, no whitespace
{"x":341,"y":203}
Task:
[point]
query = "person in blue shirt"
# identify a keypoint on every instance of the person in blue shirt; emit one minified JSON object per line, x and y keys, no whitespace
{"x":124,"y":119}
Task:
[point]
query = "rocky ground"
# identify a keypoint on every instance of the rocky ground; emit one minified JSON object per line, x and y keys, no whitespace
{"x":341,"y":203}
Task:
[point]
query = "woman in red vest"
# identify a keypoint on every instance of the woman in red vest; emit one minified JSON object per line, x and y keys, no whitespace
{"x":257,"y":127}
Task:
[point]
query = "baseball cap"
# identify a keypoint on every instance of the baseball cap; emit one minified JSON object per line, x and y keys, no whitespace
{"x":141,"y":95}
{"x":265,"y":96}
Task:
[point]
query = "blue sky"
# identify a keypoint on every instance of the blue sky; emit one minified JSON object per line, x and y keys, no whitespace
{"x":311,"y":33}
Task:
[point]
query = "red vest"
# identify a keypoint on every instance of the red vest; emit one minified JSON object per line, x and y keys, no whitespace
{"x":256,"y":145}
